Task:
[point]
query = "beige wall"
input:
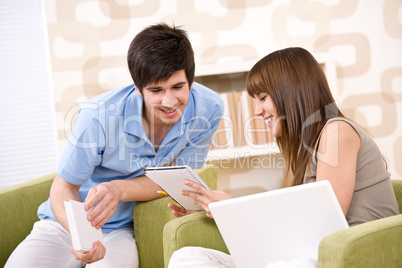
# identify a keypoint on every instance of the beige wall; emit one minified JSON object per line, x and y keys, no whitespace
{"x":88,"y":41}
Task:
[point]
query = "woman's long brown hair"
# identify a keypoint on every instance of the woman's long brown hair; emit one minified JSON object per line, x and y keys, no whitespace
{"x":299,"y":89}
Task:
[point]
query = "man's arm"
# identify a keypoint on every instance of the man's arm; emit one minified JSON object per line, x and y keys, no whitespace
{"x":63,"y":191}
{"x":59,"y":192}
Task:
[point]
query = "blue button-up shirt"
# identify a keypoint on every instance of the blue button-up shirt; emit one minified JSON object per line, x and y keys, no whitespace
{"x":108,"y":142}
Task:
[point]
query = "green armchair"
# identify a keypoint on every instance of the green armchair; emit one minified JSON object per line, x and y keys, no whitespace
{"x":149,"y":221}
{"x":159,"y":233}
{"x":372,"y":244}
{"x":19,"y":204}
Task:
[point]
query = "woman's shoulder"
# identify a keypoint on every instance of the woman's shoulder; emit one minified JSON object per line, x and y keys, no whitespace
{"x":342,"y":133}
{"x":347,"y":123}
{"x":342,"y":127}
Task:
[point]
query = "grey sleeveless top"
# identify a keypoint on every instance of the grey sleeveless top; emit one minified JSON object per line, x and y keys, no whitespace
{"x":373,"y":197}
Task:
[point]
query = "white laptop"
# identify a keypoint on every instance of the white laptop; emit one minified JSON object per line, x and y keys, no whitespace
{"x":279,"y":225}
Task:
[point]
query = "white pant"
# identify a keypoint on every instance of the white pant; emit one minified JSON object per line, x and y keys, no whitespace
{"x":197,"y":257}
{"x":49,"y":245}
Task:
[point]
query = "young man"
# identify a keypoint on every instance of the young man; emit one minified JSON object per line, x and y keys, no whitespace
{"x":164,"y":118}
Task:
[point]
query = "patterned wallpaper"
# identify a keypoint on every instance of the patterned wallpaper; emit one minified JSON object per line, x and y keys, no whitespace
{"x":88,"y":42}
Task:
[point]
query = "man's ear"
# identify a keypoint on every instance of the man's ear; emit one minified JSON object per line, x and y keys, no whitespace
{"x":138,"y":91}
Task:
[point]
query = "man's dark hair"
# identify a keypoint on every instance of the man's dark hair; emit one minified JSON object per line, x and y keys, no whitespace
{"x":157,"y":52}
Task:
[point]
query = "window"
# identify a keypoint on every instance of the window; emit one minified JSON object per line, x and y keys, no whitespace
{"x":27,"y":116}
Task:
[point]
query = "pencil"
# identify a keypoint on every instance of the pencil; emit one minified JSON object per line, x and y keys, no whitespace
{"x":162,"y":192}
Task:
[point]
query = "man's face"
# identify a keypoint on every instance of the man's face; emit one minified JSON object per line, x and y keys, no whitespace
{"x":165,"y":101}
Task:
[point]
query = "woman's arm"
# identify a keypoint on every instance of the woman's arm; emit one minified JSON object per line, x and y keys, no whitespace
{"x":337,"y":158}
{"x":203,"y":198}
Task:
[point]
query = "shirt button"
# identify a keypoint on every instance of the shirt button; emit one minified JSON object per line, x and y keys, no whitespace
{"x":149,"y":151}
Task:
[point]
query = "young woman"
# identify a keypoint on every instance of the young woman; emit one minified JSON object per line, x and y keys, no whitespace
{"x":317,"y":142}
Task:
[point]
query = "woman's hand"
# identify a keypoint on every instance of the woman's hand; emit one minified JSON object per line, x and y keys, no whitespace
{"x":203,"y":198}
{"x":178,"y":211}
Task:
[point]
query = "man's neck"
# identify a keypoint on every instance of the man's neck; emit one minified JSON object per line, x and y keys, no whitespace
{"x":155,"y":131}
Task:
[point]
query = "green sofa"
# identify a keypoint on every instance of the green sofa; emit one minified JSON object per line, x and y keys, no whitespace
{"x":372,"y":244}
{"x":19,"y":204}
{"x":159,"y":233}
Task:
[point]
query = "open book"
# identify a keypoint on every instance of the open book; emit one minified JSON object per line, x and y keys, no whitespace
{"x":82,"y":232}
{"x":171,"y":180}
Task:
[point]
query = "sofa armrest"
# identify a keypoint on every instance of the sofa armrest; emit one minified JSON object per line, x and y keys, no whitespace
{"x":372,"y":244}
{"x":192,"y":230}
{"x":397,"y":185}
{"x":18,"y":210}
{"x":150,"y":218}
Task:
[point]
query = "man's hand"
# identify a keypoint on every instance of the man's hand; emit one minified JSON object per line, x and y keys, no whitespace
{"x":96,"y":253}
{"x":108,"y":195}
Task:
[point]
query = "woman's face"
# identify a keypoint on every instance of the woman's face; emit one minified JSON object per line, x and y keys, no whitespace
{"x":266,"y":108}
